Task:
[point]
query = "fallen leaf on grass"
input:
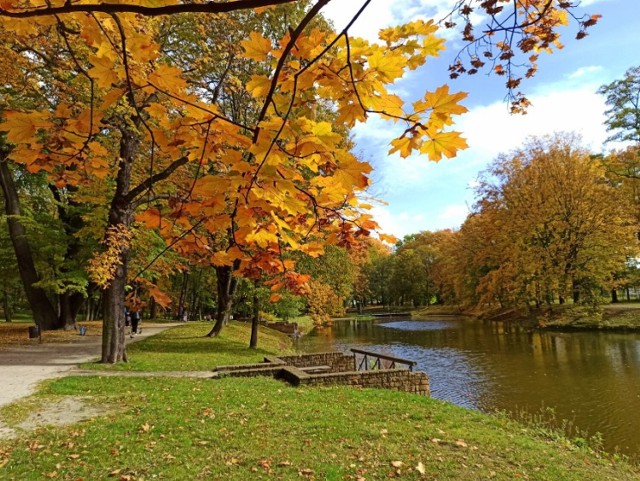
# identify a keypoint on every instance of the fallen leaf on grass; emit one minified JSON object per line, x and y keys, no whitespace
{"x":420,"y":468}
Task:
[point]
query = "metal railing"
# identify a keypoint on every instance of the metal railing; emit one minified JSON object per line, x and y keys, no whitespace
{"x":372,"y":361}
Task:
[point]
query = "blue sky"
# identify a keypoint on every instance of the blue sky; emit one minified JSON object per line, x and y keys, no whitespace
{"x":422,"y":195}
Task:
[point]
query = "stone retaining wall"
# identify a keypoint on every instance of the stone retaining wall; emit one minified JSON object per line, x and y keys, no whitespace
{"x":289,"y":368}
{"x":337,"y":361}
{"x":396,"y":379}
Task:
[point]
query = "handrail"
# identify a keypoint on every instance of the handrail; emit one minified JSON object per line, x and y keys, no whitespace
{"x":379,"y":356}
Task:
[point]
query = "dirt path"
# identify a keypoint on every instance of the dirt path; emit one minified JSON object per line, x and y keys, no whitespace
{"x":22,"y":368}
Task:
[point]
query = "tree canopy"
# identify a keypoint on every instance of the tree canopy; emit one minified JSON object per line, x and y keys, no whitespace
{"x":112,"y":100}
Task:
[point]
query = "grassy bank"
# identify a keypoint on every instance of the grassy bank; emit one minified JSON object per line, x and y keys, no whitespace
{"x":618,"y":317}
{"x":186,"y":348}
{"x":239,"y":429}
{"x":621,"y":317}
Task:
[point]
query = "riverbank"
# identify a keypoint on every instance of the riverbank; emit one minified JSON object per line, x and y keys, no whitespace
{"x":240,"y":429}
{"x":610,"y":317}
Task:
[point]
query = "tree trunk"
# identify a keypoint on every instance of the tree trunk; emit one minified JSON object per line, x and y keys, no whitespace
{"x":120,"y":214}
{"x":43,"y":311}
{"x":614,"y":296}
{"x":70,"y":305}
{"x":153,"y":309}
{"x":113,"y":332}
{"x":226,"y":287}
{"x":6,"y":307}
{"x":183,"y":294}
{"x":255,"y":319}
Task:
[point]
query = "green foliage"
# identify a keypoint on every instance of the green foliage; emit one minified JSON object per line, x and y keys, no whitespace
{"x":288,"y":306}
{"x":623,"y":100}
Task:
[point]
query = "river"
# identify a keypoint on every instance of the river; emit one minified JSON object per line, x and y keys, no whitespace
{"x":591,"y":379}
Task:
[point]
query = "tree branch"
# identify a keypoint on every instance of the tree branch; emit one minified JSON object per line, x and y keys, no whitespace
{"x":111,"y":8}
{"x":147,"y":184}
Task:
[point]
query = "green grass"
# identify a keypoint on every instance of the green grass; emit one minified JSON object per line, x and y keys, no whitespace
{"x":23,"y":317}
{"x":185,"y":348}
{"x":239,"y":429}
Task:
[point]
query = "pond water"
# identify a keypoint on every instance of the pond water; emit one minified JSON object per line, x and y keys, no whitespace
{"x":589,"y":378}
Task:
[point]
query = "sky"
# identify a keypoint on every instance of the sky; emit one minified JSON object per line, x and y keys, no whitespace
{"x":422,"y":195}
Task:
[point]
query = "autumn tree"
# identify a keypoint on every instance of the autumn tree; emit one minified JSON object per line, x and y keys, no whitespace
{"x":265,"y":184}
{"x":559,"y":230}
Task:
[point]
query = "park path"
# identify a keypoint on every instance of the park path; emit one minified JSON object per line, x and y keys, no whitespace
{"x":22,"y":368}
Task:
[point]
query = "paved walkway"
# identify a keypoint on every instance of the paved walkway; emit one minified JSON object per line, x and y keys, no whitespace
{"x":23,"y":368}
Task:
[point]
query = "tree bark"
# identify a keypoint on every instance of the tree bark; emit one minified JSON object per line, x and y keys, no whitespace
{"x":70,"y":305}
{"x":43,"y":311}
{"x":614,"y":296}
{"x":226,"y":287}
{"x":120,"y":215}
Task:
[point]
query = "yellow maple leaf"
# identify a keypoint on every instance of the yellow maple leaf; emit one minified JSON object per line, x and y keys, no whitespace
{"x":259,"y":85}
{"x":405,"y":145}
{"x":103,"y":71}
{"x":442,"y":102}
{"x":167,"y":78}
{"x":21,"y":127}
{"x":256,"y":47}
{"x":389,"y":67}
{"x":351,"y":113}
{"x":443,"y":143}
{"x":388,"y":238}
{"x":432,"y":45}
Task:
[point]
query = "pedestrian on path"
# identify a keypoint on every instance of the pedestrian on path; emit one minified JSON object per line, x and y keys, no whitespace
{"x":135,"y":323}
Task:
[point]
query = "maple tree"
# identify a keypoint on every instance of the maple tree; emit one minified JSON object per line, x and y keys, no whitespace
{"x":245,"y":187}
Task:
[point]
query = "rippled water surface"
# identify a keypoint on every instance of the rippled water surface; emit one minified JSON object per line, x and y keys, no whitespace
{"x":590,"y":378}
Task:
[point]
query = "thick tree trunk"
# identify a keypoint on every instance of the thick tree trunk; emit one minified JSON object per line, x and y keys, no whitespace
{"x":614,"y":296}
{"x":226,"y":286}
{"x":120,"y":214}
{"x":255,"y":320}
{"x":41,"y":307}
{"x":113,"y":332}
{"x":70,"y":305}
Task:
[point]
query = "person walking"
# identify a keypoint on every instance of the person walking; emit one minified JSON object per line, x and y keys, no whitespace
{"x":135,"y":323}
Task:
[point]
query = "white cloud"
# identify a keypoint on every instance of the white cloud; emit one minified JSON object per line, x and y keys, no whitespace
{"x":585,"y":72}
{"x":454,"y":215}
{"x":385,"y":13}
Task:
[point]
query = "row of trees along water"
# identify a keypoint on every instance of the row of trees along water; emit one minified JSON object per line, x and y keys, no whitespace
{"x":157,"y":152}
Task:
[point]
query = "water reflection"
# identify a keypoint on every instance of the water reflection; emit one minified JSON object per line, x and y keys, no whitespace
{"x":590,"y":378}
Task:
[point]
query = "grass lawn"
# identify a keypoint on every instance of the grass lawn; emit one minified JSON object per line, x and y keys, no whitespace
{"x":239,"y":429}
{"x":258,"y":428}
{"x":185,"y":348}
